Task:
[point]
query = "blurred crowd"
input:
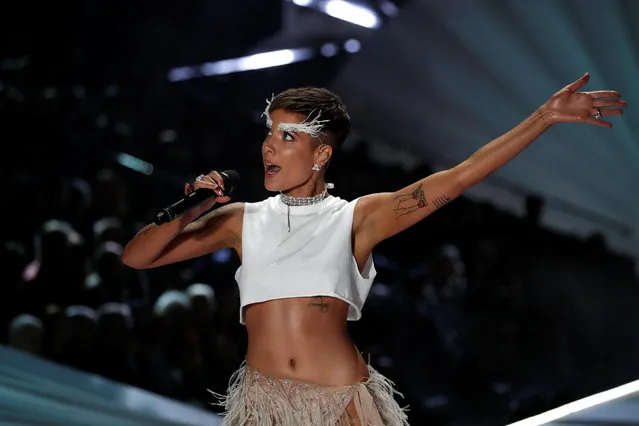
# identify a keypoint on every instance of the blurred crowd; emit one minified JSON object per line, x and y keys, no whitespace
{"x":479,"y":316}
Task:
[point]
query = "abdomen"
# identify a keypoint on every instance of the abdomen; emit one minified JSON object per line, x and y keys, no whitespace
{"x":303,"y":339}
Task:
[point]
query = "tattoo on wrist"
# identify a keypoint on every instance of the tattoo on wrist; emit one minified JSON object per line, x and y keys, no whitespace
{"x":147,"y":230}
{"x":318,"y":302}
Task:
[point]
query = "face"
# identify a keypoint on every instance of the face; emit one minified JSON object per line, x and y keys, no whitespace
{"x":289,"y":154}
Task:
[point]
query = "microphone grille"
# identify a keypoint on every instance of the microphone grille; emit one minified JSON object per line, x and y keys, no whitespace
{"x":231,"y":180}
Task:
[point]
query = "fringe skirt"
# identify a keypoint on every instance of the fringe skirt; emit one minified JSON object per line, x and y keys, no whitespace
{"x":255,"y":399}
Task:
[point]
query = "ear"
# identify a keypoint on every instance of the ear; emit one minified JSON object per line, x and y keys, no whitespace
{"x":323,"y":154}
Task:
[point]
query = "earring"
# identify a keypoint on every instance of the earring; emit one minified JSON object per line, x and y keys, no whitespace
{"x":316,"y":167}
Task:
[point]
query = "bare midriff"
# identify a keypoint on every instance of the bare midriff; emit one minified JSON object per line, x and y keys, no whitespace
{"x":303,"y":339}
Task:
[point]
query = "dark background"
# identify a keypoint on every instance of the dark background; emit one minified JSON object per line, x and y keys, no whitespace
{"x":478,"y":315}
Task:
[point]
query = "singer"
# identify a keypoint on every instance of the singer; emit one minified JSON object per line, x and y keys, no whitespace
{"x":306,"y":256}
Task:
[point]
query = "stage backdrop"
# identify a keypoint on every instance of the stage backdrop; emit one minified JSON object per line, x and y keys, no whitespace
{"x":443,"y":78}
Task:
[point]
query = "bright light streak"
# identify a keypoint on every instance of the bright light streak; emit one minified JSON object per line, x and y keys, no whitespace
{"x":581,"y":404}
{"x":352,"y":13}
{"x":247,"y":63}
{"x":134,"y":163}
{"x":268,"y":60}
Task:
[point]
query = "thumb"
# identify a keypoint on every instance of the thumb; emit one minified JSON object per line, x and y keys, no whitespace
{"x":579,"y":83}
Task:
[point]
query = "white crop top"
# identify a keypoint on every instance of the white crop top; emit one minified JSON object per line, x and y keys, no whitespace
{"x":314,"y":259}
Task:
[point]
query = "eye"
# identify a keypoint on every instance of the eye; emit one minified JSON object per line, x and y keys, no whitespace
{"x":267,"y":131}
{"x":287,"y":136}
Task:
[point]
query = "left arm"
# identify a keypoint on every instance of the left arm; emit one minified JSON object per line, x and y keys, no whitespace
{"x":380,"y":216}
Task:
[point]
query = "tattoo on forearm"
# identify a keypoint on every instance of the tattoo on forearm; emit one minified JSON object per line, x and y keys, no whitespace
{"x":409,"y":203}
{"x":318,"y":302}
{"x":441,"y":201}
{"x":147,"y":229}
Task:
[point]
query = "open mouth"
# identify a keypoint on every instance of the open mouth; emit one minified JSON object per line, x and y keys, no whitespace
{"x":271,"y":169}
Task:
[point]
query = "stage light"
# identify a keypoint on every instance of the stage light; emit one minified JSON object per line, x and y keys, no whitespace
{"x":247,"y":63}
{"x":134,"y":163}
{"x":329,"y":49}
{"x":352,"y":13}
{"x":352,"y":45}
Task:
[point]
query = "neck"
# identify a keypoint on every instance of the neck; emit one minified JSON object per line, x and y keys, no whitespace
{"x":308,"y":189}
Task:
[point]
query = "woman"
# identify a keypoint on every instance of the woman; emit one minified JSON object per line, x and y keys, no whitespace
{"x":306,"y":256}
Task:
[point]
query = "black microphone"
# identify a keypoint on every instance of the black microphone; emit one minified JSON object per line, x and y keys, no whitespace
{"x":230,"y":177}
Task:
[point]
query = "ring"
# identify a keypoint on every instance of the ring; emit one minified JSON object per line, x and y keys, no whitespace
{"x":598,"y":114}
{"x":200,"y":177}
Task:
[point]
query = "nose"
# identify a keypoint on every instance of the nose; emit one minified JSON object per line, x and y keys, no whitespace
{"x":267,"y":146}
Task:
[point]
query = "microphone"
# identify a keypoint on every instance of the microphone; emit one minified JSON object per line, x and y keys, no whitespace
{"x":230,"y":177}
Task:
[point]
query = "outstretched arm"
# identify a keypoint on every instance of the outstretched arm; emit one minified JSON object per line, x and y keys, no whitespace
{"x":380,"y":216}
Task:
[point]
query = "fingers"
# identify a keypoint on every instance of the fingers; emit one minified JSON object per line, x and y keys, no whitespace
{"x":217,"y":178}
{"x":612,"y":111}
{"x":599,"y":94}
{"x":577,"y":84}
{"x":609,"y":103}
{"x":598,"y":113}
{"x":598,"y":122}
{"x":211,"y":181}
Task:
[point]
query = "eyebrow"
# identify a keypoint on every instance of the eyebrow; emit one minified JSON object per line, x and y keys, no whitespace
{"x":312,"y":129}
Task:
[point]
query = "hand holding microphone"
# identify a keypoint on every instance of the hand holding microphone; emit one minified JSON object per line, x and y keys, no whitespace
{"x":213,"y":182}
{"x":206,"y":191}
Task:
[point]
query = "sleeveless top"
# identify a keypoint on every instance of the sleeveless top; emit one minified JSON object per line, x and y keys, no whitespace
{"x":314,"y":258}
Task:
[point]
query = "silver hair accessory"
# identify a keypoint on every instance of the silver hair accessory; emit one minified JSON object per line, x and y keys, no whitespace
{"x":304,"y":201}
{"x":313,"y":127}
{"x":598,"y":114}
{"x":266,"y":114}
{"x":316,"y":167}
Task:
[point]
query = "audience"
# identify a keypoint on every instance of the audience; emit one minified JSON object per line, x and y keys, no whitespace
{"x":468,"y":314}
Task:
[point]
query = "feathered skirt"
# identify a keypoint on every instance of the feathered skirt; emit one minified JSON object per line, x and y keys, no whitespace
{"x":256,"y":399}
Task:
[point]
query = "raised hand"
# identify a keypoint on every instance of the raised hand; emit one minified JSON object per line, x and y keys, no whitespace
{"x":571,"y":106}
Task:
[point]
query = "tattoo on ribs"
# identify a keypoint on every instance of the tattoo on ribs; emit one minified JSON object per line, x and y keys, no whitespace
{"x":318,"y":302}
{"x":409,"y":203}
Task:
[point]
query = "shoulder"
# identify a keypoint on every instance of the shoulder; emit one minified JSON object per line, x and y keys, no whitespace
{"x":336,"y":203}
{"x":250,"y":207}
{"x":365,"y":208}
{"x":259,"y":208}
{"x":228,"y":216}
{"x":230,"y":210}
{"x":362,"y":207}
{"x":234,"y":212}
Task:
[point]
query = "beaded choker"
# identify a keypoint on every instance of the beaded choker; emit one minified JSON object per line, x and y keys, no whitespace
{"x":305,"y":201}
